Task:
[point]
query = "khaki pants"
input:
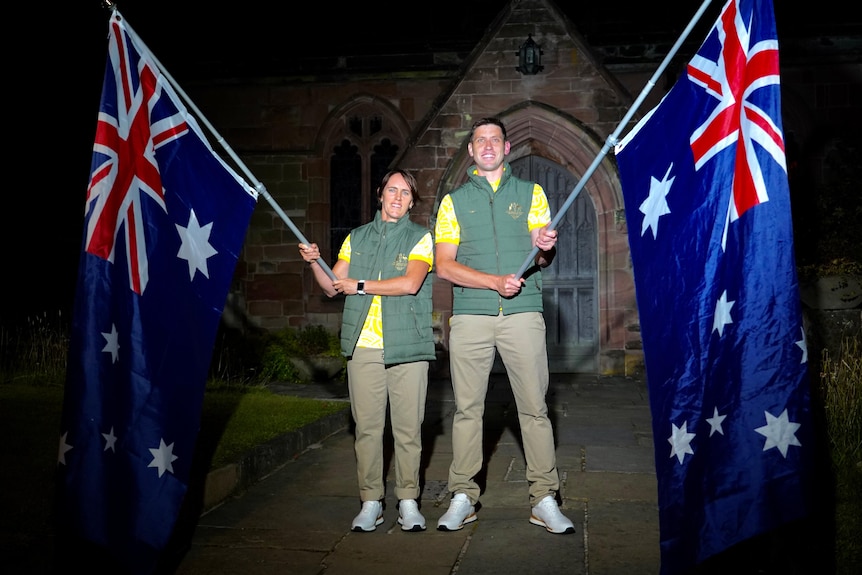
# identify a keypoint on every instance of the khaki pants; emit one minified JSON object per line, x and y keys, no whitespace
{"x":520,"y":340}
{"x":373,"y":387}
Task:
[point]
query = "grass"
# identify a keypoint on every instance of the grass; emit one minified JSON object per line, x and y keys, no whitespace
{"x":841,"y":392}
{"x":254,"y":416}
{"x":30,"y":422}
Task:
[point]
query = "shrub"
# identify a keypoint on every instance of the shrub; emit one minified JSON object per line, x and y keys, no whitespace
{"x":308,"y":341}
{"x":282,"y":346}
{"x":257,"y":357}
{"x":237,"y":358}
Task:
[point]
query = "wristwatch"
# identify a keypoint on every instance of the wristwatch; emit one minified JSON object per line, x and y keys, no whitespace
{"x":360,"y":287}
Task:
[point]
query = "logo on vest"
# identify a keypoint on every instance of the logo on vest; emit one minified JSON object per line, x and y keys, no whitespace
{"x":400,"y":262}
{"x":515,"y":210}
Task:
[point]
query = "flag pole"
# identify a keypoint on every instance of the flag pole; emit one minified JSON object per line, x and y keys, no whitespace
{"x":261,"y":189}
{"x":612,"y":140}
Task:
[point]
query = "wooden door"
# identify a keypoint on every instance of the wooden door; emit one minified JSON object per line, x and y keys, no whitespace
{"x":570,"y":283}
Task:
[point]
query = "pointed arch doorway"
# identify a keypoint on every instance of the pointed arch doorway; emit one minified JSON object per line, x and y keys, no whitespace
{"x":570,"y":284}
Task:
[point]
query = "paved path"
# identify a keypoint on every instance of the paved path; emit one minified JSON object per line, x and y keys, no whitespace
{"x":296,"y":520}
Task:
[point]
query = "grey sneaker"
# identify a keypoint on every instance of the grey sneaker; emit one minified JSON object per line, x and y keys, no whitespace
{"x":409,"y":517}
{"x":460,"y":513}
{"x":547,"y":514}
{"x":369,"y":517}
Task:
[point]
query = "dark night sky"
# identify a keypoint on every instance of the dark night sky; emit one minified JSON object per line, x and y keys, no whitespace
{"x":53,"y":90}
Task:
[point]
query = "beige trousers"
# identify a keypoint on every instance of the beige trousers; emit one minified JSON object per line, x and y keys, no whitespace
{"x":520,"y":340}
{"x":402,"y":388}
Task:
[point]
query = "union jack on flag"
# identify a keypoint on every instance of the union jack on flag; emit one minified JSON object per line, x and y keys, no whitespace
{"x":704,"y":176}
{"x":738,"y":120}
{"x":126,"y":142}
{"x":165,"y":220}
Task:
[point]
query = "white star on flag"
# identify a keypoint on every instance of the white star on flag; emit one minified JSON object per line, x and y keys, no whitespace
{"x":680,"y":440}
{"x":722,"y":313}
{"x":803,"y":345}
{"x":196,"y":247}
{"x":112,"y":344}
{"x":779,"y":431}
{"x":163,"y":457}
{"x":110,"y":440}
{"x":715,"y":422}
{"x":655,"y":205}
{"x":64,"y":447}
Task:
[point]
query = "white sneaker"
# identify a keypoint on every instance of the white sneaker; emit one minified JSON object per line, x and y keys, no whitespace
{"x":409,"y":517}
{"x":370,"y":517}
{"x":547,"y":514}
{"x":460,"y":512}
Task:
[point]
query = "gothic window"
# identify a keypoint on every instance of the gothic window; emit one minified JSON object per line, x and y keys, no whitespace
{"x":357,"y":165}
{"x":345,"y":205}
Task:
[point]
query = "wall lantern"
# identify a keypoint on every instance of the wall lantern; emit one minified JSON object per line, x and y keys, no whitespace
{"x":530,"y":57}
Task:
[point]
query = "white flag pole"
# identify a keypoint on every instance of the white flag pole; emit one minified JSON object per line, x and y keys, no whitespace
{"x":613,"y":138}
{"x":261,"y":189}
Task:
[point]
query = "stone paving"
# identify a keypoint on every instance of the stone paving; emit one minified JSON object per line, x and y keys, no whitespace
{"x":296,"y":520}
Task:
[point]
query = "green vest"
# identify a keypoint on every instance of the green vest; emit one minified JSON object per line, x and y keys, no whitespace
{"x":495,"y":239}
{"x":380,"y":250}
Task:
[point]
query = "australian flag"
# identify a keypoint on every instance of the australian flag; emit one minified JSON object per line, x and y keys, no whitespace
{"x":165,"y":220}
{"x":707,"y":202}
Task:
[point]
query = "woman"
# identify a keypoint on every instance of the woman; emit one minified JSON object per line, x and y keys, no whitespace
{"x":386,"y":335}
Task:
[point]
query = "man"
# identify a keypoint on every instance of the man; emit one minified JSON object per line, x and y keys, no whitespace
{"x":484,"y":229}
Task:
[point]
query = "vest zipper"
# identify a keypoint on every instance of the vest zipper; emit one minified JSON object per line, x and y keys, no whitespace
{"x":496,"y":245}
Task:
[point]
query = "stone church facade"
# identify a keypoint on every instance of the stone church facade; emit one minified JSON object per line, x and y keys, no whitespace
{"x":318,"y":144}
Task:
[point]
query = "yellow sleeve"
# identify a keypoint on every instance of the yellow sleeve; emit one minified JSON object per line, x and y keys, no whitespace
{"x":344,"y":252}
{"x":446,"y":229}
{"x":423,"y":251}
{"x":540,"y":211}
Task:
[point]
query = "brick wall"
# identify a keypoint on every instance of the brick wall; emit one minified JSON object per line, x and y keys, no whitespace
{"x":284,"y":130}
